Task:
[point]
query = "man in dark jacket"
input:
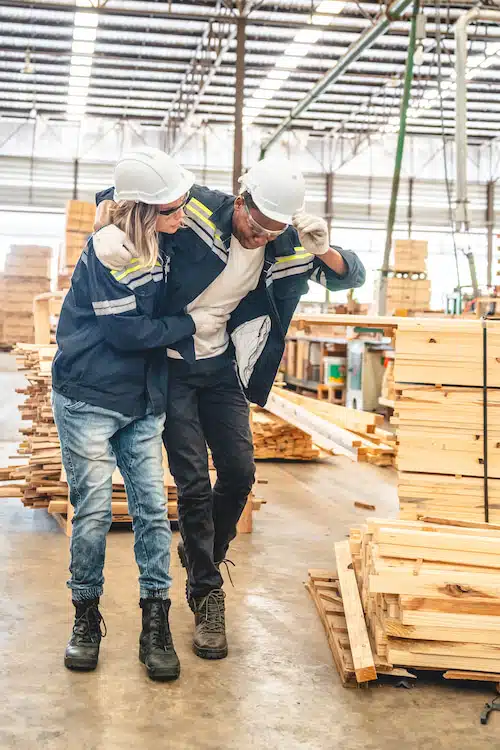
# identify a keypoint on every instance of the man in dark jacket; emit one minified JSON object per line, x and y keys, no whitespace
{"x":250,"y":258}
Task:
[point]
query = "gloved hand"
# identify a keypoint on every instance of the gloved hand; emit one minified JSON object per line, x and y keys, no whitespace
{"x":313,"y":232}
{"x":113,"y":248}
{"x":208,"y":319}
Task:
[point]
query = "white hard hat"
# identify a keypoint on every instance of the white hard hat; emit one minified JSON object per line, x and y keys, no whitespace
{"x":151,"y":176}
{"x":277,"y":188}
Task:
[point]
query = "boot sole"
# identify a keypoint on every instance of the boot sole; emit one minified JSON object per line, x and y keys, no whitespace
{"x":79,"y":666}
{"x":210,"y":653}
{"x":161,"y":675}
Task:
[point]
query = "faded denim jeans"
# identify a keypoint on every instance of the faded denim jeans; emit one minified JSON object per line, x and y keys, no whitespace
{"x":93,"y":442}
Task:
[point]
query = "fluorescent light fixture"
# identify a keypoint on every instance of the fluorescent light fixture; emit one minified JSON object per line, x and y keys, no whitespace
{"x":82,"y":48}
{"x":475,"y":60}
{"x":75,"y":109}
{"x":260,"y":103}
{"x":81,"y":60}
{"x":86,"y":19}
{"x":280,"y":75}
{"x":80,"y":71}
{"x":271,"y":85}
{"x":77,"y":101}
{"x":394,"y":120}
{"x":489,"y":61}
{"x":84,"y":34}
{"x":297,"y":50}
{"x":330,"y":6}
{"x":431,"y":94}
{"x":288,"y":62}
{"x":84,"y":4}
{"x":493,"y":48}
{"x":263,"y":94}
{"x":251,"y":111}
{"x":307,"y":36}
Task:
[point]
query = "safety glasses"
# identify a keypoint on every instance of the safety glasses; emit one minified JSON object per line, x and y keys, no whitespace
{"x":259,"y":229}
{"x":171,"y":211}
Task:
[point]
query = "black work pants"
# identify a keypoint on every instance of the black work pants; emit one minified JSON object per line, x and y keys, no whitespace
{"x":208,"y":408}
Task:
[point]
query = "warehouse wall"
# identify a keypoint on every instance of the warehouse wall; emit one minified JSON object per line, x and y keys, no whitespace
{"x":38,"y":168}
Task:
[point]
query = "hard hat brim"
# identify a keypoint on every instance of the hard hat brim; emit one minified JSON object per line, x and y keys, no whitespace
{"x":163,"y":196}
{"x":273,"y":215}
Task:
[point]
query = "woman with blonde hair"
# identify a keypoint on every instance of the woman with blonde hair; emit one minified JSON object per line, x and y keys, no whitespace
{"x":109,"y":398}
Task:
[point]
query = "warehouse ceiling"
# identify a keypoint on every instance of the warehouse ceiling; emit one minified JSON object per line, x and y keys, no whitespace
{"x":174,"y":63}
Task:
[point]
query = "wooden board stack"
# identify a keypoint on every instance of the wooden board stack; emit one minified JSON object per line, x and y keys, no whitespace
{"x":40,"y":481}
{"x":273,"y":438}
{"x":336,"y":429}
{"x":26,"y":274}
{"x":413,"y":595}
{"x":79,"y":225}
{"x":408,"y":288}
{"x":431,"y":594}
{"x":440,"y":420}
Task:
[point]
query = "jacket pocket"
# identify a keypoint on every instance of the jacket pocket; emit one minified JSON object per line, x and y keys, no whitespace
{"x":249,"y":340}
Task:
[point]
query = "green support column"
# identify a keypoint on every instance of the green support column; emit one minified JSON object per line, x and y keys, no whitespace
{"x":382,"y":297}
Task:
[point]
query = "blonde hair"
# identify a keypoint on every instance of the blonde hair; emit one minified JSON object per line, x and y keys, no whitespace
{"x":138,"y":221}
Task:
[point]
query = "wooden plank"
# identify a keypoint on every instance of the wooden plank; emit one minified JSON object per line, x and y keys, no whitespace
{"x":394,"y":628}
{"x":475,"y":559}
{"x":440,"y":540}
{"x":447,"y":585}
{"x":364,"y":665}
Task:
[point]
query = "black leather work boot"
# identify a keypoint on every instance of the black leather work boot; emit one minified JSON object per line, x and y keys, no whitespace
{"x":82,"y":651}
{"x":156,"y":648}
{"x":210,"y":626}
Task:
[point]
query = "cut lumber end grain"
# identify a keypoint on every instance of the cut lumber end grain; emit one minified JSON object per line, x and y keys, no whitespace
{"x":364,"y":665}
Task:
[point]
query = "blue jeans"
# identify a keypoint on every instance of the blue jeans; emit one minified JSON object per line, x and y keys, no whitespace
{"x":93,"y":442}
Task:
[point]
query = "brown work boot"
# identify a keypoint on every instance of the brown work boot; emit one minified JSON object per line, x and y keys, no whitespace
{"x":210,"y":627}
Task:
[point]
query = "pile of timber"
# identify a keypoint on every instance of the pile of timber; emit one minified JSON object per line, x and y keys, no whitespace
{"x":39,"y":479}
{"x":336,"y":429}
{"x":273,"y":438}
{"x":440,"y":421}
{"x":415,"y":595}
{"x":26,"y":274}
{"x":79,"y":225}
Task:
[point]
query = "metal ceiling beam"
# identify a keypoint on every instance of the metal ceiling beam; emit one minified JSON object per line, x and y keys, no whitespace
{"x":354,"y":52}
{"x":174,"y":15}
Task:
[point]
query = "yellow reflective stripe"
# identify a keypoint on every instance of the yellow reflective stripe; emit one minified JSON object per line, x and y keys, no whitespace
{"x":203,"y":218}
{"x":200,"y":205}
{"x":295,"y":256}
{"x":126,"y":272}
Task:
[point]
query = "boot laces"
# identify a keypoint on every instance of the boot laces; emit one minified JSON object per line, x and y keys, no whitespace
{"x":227,"y":562}
{"x":90,"y":626}
{"x":160,"y":632}
{"x":212,"y":612}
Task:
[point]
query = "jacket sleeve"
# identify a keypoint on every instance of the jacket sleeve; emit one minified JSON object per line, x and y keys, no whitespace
{"x":120,"y":322}
{"x":354,"y":275}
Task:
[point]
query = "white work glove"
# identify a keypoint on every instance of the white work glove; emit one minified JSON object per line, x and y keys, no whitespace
{"x":208,"y":320}
{"x":113,"y":248}
{"x":313,"y":232}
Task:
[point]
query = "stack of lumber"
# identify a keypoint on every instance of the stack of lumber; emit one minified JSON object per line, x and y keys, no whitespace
{"x":405,"y":290}
{"x":27,"y":274}
{"x":417,"y":595}
{"x":274,"y":438}
{"x":336,"y":429}
{"x":440,"y":419}
{"x":40,"y":480}
{"x":410,"y":256}
{"x":79,"y":225}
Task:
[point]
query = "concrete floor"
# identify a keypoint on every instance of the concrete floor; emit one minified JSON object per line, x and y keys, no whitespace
{"x":278,"y":689}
